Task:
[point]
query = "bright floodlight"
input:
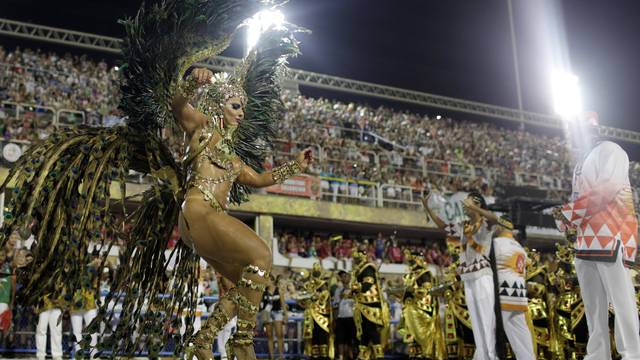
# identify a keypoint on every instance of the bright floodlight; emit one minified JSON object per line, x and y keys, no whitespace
{"x":567,"y":101}
{"x":261,"y":22}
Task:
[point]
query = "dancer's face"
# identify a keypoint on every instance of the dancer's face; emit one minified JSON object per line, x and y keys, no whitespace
{"x":233,"y":111}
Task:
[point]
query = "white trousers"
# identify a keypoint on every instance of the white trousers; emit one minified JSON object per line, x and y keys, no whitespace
{"x":49,"y":319}
{"x":224,"y":335}
{"x":77,"y":317}
{"x":480,"y":301}
{"x":602,"y":283}
{"x":515,"y":326}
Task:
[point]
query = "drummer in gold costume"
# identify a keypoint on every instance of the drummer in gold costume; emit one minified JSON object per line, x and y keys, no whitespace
{"x":318,"y":336}
{"x":371,"y":310}
{"x":541,"y":307}
{"x":420,"y":325}
{"x":570,"y":322}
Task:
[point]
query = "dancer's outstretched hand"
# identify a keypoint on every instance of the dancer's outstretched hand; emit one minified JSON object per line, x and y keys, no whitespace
{"x":305,"y":158}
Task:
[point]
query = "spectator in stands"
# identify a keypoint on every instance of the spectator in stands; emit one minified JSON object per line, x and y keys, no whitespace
{"x":394,"y":253}
{"x":324,"y":249}
{"x":292,"y":246}
{"x":274,"y":315}
{"x":380,"y":245}
{"x":7,"y":285}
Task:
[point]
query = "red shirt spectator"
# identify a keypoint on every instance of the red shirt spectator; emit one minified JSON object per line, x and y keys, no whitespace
{"x":323,"y":249}
{"x":395,"y":253}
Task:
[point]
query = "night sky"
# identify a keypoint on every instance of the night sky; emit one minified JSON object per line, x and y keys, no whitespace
{"x":459,"y":48}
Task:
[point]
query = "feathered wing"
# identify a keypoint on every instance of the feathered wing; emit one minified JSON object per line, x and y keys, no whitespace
{"x":61,"y":189}
{"x":261,"y":73}
{"x":162,"y":41}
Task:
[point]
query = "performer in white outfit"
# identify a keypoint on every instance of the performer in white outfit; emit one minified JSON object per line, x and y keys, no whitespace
{"x":49,"y":317}
{"x":511,"y":260}
{"x":83,"y":308}
{"x":475,"y":270}
{"x":223,"y":337}
{"x":603,"y":215}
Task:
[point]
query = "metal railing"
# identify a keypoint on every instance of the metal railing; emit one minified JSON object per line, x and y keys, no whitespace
{"x":349,"y":191}
{"x":39,"y":115}
{"x":400,"y":196}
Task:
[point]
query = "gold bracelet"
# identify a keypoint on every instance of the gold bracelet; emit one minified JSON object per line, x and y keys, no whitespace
{"x":285,"y":171}
{"x":188,"y":87}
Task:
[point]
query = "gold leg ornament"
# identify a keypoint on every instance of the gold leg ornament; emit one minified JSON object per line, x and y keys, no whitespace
{"x":320,"y":351}
{"x":247,"y":311}
{"x":377,"y":351}
{"x":363,"y":353}
{"x":201,"y":343}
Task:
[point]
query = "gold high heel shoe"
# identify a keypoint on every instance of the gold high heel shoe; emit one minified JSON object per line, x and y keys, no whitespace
{"x":246,"y":310}
{"x":200,"y":344}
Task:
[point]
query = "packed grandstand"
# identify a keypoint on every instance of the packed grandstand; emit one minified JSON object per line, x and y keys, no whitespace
{"x":402,"y":152}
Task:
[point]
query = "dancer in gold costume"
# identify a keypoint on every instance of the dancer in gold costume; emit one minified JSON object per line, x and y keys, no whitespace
{"x":570,"y":322}
{"x":318,"y":337}
{"x":420,"y":324}
{"x":541,"y":311}
{"x":63,"y":185}
{"x":371,"y":310}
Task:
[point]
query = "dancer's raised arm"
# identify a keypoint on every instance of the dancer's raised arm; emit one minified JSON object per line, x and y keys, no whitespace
{"x":431,"y":214}
{"x":189,"y":118}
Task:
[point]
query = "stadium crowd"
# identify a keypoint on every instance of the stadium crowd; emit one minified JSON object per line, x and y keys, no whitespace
{"x":358,"y":142}
{"x":339,"y":247}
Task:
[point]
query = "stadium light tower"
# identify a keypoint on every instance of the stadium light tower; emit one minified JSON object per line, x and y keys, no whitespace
{"x":259,"y":23}
{"x":565,"y":89}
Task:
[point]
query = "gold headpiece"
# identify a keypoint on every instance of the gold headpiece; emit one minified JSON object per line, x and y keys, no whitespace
{"x":414,"y":261}
{"x":226,"y":87}
{"x":222,"y":88}
{"x":358,"y":255}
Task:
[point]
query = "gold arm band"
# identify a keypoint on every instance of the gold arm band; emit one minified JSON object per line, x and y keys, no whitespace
{"x":285,"y":171}
{"x":188,"y":87}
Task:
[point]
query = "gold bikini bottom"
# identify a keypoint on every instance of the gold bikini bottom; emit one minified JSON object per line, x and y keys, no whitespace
{"x":204,"y":185}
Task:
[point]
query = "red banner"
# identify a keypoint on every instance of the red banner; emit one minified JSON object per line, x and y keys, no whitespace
{"x":301,"y":185}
